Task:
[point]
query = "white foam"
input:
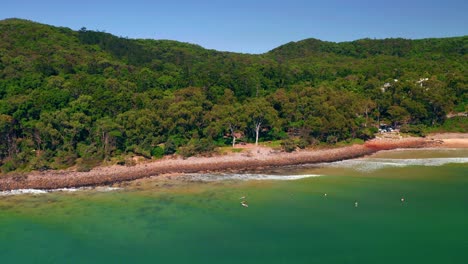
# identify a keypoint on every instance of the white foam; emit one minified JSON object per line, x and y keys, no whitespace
{"x":66,"y":190}
{"x":248,"y":177}
{"x":22,"y":191}
{"x":372,"y":164}
{"x":39,"y":191}
{"x":106,"y":189}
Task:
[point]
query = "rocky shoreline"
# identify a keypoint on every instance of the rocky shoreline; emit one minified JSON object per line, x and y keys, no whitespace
{"x":250,"y":159}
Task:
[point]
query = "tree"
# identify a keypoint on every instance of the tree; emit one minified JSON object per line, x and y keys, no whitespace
{"x":228,"y":116}
{"x":184,"y":112}
{"x":260,"y":113}
{"x":7,"y":136}
{"x":108,"y":132}
{"x":140,"y":128}
{"x":367,"y":107}
{"x":398,"y":114}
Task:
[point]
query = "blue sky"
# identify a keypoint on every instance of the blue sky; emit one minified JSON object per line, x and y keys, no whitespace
{"x":250,"y":26}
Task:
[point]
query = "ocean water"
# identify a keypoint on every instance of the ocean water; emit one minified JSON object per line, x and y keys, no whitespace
{"x":300,"y":214}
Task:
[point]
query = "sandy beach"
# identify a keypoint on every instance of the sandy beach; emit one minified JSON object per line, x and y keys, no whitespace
{"x":250,"y":158}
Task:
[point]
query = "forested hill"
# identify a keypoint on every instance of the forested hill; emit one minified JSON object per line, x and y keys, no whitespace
{"x":80,"y":97}
{"x":365,"y":48}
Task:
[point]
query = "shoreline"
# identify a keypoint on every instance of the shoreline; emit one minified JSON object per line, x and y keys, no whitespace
{"x":252,"y":159}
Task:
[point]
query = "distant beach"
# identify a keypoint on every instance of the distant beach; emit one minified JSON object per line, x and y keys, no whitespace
{"x":250,"y":158}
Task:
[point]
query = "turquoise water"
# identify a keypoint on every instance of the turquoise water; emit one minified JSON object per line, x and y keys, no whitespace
{"x":158,"y":221}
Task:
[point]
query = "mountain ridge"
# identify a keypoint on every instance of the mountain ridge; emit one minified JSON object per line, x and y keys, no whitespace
{"x":291,"y":43}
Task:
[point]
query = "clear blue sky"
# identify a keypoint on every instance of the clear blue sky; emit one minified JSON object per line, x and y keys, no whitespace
{"x":250,"y":26}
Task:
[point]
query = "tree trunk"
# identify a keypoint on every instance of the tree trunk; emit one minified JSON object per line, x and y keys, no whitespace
{"x":104,"y":143}
{"x":367,"y":117}
{"x":257,"y":131}
{"x":231,"y":128}
{"x":10,"y":146}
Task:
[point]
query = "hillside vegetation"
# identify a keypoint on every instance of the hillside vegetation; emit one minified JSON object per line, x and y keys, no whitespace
{"x":82,"y":97}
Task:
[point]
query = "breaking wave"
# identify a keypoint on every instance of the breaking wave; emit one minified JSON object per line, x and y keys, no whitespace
{"x":23,"y":191}
{"x":248,"y":177}
{"x":39,"y":191}
{"x":372,"y":164}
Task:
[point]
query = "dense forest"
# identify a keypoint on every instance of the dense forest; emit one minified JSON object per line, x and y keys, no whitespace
{"x":82,"y":97}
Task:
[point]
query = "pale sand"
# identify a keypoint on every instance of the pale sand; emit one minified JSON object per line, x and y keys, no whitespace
{"x":250,"y":158}
{"x":451,"y":140}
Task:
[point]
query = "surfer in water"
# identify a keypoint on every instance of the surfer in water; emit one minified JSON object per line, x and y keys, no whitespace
{"x":356,"y":204}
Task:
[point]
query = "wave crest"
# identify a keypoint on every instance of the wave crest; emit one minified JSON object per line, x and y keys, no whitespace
{"x":39,"y":191}
{"x":372,"y":164}
{"x":248,"y":177}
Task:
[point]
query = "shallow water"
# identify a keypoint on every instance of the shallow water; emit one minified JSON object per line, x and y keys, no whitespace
{"x":290,"y":221}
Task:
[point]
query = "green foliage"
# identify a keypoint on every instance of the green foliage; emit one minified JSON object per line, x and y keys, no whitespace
{"x":86,"y":150}
{"x":261,"y":114}
{"x":78,"y":98}
{"x":197,"y":146}
{"x":302,"y":143}
{"x":8,"y":166}
{"x":367,"y":133}
{"x":288,"y":145}
{"x":456,"y":124}
{"x":349,"y":142}
{"x":332,"y":139}
{"x":236,"y":150}
{"x":138,"y":150}
{"x":418,"y":130}
{"x":170,"y":147}
{"x":42,"y":161}
{"x":87,"y":164}
{"x":65,"y":159}
{"x":157,"y":152}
